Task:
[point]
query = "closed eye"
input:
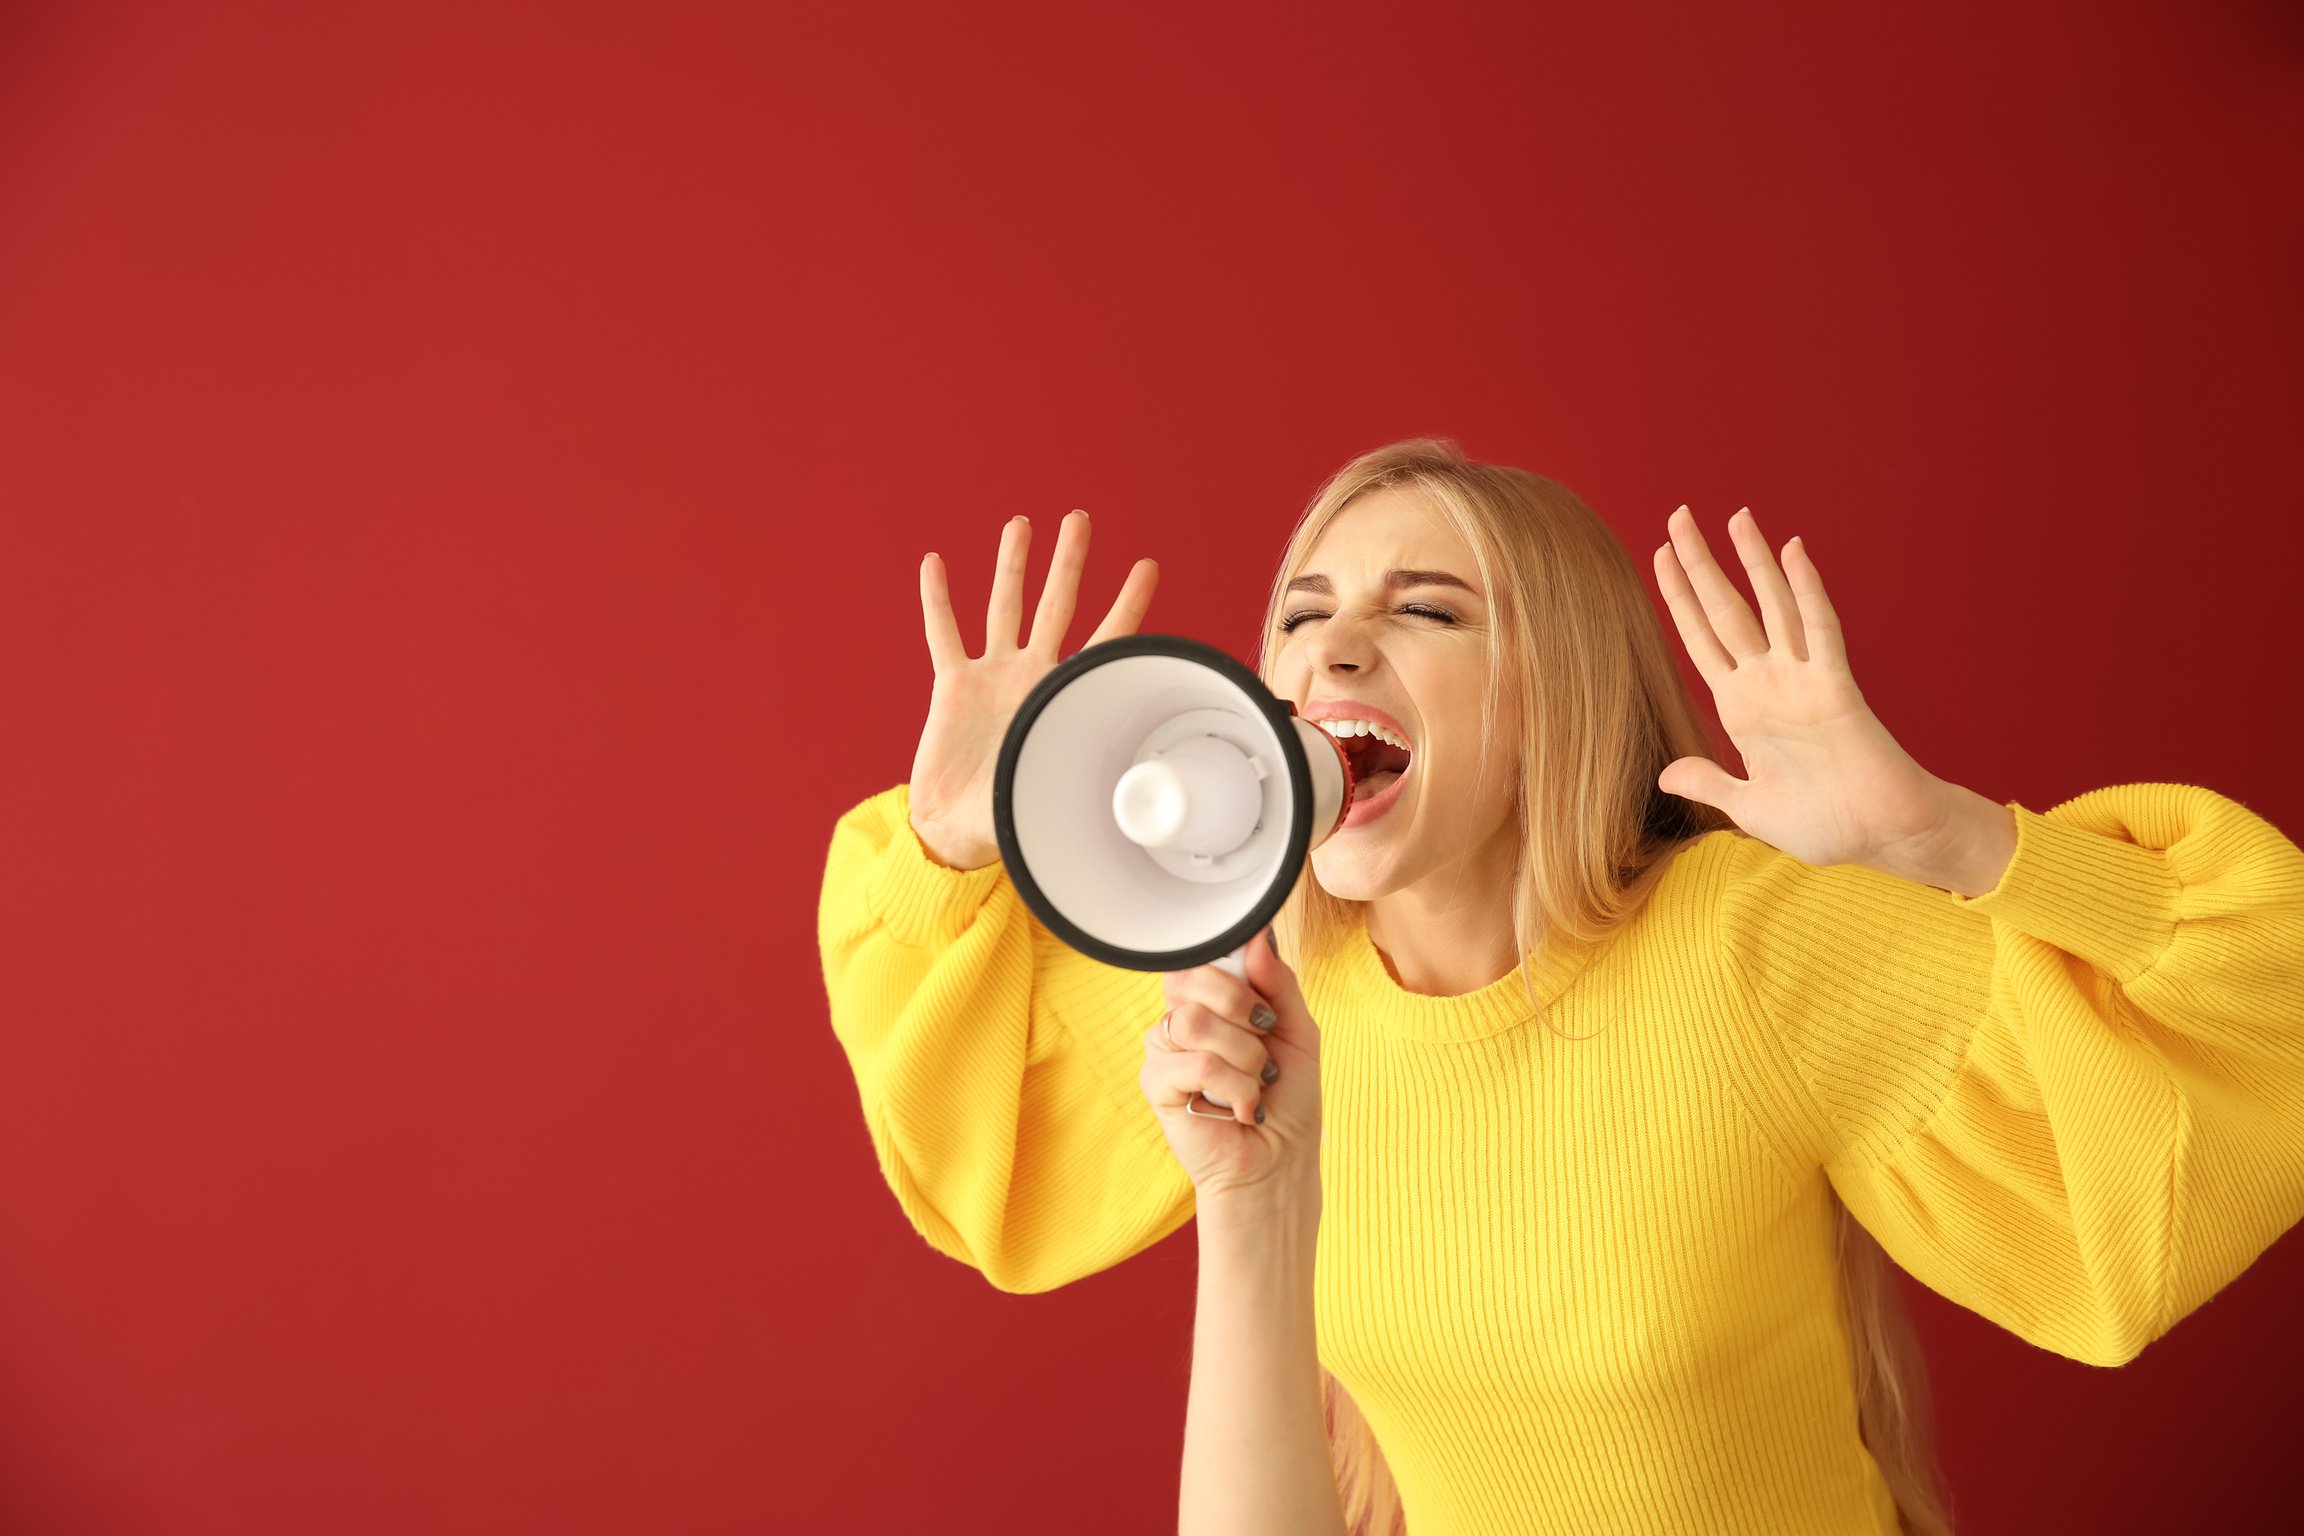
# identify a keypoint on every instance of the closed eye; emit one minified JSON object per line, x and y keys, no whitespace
{"x":1426,"y":610}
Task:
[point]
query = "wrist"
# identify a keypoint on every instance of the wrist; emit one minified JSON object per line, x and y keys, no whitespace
{"x":950,"y":855}
{"x":1263,"y":1211}
{"x":1973,"y":843}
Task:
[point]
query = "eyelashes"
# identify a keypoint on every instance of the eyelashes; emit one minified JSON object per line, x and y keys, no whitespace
{"x":1439,"y":614}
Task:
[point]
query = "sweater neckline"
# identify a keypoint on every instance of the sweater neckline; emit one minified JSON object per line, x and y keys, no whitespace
{"x":1491,"y":1010}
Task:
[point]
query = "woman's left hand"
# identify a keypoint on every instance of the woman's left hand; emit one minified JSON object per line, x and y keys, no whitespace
{"x":1825,"y":781}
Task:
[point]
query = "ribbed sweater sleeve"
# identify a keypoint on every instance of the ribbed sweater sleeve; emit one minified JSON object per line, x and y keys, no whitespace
{"x":2073,"y":1104}
{"x":997,"y":1067}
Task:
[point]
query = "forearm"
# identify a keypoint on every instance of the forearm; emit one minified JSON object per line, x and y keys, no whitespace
{"x":1255,"y":1447}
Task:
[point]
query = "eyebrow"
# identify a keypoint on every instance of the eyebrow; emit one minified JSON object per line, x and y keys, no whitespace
{"x":1393,"y":581}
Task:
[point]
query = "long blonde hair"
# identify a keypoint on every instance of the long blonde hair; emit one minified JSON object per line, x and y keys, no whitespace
{"x":1575,"y":638}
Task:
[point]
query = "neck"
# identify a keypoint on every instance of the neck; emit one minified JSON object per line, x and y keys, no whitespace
{"x":1451,"y":932}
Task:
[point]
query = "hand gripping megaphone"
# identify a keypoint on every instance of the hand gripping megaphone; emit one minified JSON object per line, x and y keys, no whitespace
{"x":1155,"y":803}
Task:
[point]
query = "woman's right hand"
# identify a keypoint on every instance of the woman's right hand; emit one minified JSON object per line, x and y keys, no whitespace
{"x":1266,"y":1157}
{"x":975,"y":698}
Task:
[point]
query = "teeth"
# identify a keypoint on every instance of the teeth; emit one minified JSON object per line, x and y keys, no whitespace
{"x":1343,"y":728}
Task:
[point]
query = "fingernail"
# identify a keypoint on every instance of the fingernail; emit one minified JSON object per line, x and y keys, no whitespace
{"x":1271,"y":1070}
{"x":1259,"y":1114}
{"x":1263,"y":1018}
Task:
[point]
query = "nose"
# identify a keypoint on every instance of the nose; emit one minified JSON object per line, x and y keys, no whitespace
{"x":1339,"y":643}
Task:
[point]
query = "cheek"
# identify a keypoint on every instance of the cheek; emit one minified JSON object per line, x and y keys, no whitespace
{"x":1458,"y":783}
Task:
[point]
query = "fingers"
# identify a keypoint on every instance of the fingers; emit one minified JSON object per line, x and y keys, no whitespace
{"x":1062,"y":588}
{"x":1129,"y":608}
{"x":1214,"y":1012}
{"x":1779,"y":609}
{"x":1196,"y":1030}
{"x":1704,"y":648}
{"x":1826,"y":644}
{"x":1726,"y":625}
{"x":945,"y":647}
{"x":1170,"y":1078}
{"x":1059,"y":596}
{"x":1798,"y":617}
{"x":1225,"y":996}
{"x":1007,"y":608}
{"x":1270,"y":977}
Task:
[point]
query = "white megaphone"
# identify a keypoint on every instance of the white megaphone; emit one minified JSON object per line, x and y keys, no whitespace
{"x":1155,"y":803}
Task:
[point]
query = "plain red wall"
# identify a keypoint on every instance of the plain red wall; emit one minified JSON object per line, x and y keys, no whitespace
{"x":465,"y":472}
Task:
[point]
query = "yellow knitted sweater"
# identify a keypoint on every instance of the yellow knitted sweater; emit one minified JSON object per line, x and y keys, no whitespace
{"x":1588,"y":1285}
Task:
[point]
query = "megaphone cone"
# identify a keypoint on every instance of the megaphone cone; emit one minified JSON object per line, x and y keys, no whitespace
{"x":1155,"y":803}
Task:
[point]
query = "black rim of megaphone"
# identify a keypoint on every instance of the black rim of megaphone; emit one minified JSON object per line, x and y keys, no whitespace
{"x":1299,"y":777}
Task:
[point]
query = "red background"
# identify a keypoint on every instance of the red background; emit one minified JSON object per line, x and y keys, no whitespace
{"x":466,"y":469}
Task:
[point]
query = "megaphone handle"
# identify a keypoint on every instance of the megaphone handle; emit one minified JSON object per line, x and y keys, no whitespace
{"x":1236,"y":964}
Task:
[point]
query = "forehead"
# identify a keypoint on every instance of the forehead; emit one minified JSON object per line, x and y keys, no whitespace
{"x":1385,"y":530}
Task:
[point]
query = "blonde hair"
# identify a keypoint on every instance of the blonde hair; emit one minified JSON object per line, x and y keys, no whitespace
{"x":1575,"y":639}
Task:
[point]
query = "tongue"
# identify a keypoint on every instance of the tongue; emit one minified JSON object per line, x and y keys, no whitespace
{"x":1374,"y":785}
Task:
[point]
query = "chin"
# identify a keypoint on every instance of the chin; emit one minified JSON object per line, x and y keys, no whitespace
{"x":1346,"y":879}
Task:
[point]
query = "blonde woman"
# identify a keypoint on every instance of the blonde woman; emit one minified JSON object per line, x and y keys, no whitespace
{"x":1628,"y":1067}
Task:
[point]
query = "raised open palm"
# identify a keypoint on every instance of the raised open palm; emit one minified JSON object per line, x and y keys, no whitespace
{"x":1825,"y":781}
{"x":974,"y":698}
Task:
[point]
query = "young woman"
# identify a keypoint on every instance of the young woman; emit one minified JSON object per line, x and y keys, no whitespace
{"x":1624,"y":1062}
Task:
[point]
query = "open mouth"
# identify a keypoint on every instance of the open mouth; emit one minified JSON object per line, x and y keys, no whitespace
{"x":1377,"y":765}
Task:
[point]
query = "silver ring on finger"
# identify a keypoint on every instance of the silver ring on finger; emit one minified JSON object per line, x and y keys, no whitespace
{"x":1195,"y":1114}
{"x":1166,"y":1038}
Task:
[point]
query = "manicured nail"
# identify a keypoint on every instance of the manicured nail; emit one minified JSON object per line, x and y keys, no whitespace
{"x":1259,"y":1114}
{"x":1271,"y":1070}
{"x":1263,"y":1018}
